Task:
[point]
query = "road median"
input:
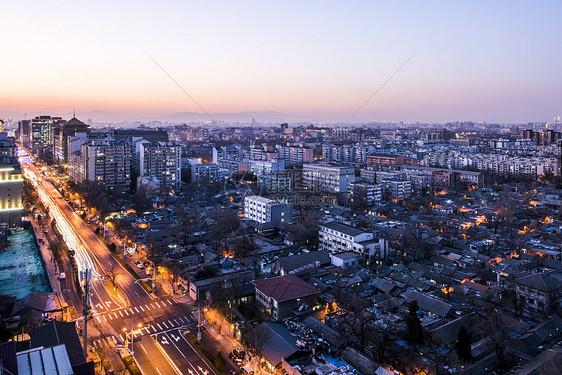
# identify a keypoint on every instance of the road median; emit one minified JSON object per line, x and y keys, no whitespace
{"x":125,"y":265}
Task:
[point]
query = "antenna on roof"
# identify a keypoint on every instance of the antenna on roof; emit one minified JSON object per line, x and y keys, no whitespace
{"x":74,"y":113}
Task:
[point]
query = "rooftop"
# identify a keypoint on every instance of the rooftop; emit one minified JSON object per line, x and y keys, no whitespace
{"x":285,"y":288}
{"x":346,"y":229}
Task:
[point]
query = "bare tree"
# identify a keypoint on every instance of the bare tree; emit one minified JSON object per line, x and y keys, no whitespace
{"x":382,"y":336}
{"x":358,"y":324}
{"x":185,"y":221}
{"x":112,"y":273}
{"x":258,"y":337}
{"x":495,"y":326}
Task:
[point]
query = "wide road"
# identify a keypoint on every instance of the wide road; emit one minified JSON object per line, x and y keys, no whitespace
{"x":150,"y":358}
{"x":149,"y":317}
{"x":180,"y":352}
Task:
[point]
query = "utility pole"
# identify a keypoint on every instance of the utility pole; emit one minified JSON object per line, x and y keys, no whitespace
{"x":199,"y":321}
{"x":86,"y":276}
{"x":153,"y":277}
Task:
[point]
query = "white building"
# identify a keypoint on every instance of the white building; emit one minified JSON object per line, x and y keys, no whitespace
{"x":266,"y":167}
{"x":327,"y":178}
{"x":263,"y":210}
{"x":339,"y":238}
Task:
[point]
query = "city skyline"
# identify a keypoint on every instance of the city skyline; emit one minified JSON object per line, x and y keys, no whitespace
{"x":316,"y":61}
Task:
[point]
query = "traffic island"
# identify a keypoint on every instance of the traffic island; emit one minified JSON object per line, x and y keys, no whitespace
{"x":125,"y":265}
{"x":115,"y":292}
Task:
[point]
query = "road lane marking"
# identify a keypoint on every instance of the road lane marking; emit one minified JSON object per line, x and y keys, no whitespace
{"x":164,"y":324}
{"x":147,"y":307}
{"x":154,"y":328}
{"x":156,"y":368}
{"x":116,"y":315}
{"x":205,"y":372}
{"x":137,"y":310}
{"x":108,"y":316}
{"x":120,"y":313}
{"x":170,"y":302}
{"x":141,"y":308}
{"x":170,"y":323}
{"x":152,"y":305}
{"x":98,"y":318}
{"x":145,"y":351}
{"x":158,"y":324}
{"x":131,"y":310}
{"x":157,"y":304}
{"x":126,"y":312}
{"x":147,"y":331}
{"x":121,"y":337}
{"x":176,"y":321}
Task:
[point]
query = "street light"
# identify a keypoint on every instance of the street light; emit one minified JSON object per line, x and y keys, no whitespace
{"x":139,"y":327}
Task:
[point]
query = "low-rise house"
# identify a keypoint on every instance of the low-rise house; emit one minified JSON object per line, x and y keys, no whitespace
{"x":274,"y":341}
{"x":432,"y":306}
{"x":203,"y":289}
{"x":298,"y":263}
{"x":539,"y":292}
{"x":346,"y":259}
{"x":280,"y":296}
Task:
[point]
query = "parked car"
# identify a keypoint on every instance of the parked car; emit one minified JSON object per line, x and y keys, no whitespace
{"x":239,"y":353}
{"x":140,"y":266}
{"x":62,"y":276}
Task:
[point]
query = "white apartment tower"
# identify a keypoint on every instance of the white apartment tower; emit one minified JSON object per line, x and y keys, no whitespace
{"x":327,"y":178}
{"x":263,"y":210}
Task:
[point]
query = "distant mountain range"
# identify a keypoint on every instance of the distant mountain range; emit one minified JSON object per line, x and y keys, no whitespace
{"x":246,"y":117}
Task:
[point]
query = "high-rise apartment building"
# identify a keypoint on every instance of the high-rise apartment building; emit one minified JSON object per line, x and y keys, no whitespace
{"x":107,"y":163}
{"x":296,"y":155}
{"x":327,"y":178}
{"x":23,"y":133}
{"x":263,"y":210}
{"x":161,"y":160}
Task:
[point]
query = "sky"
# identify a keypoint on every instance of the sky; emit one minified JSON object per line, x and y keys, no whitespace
{"x":495,"y":61}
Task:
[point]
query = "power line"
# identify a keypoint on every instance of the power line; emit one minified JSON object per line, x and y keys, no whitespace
{"x":181,"y":88}
{"x":379,"y":89}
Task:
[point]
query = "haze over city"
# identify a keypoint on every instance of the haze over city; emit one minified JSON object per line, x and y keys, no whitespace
{"x":312,"y":61}
{"x":280,"y":188}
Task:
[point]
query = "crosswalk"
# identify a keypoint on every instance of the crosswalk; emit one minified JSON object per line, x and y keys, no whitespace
{"x":123,"y":313}
{"x":148,"y":330}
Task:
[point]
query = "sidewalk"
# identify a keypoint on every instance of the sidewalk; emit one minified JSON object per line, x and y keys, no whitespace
{"x":63,"y":289}
{"x":217,"y":342}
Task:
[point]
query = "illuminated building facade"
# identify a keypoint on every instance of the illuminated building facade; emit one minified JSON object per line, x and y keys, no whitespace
{"x":11,"y":203}
{"x":62,"y":131}
{"x":41,"y":130}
